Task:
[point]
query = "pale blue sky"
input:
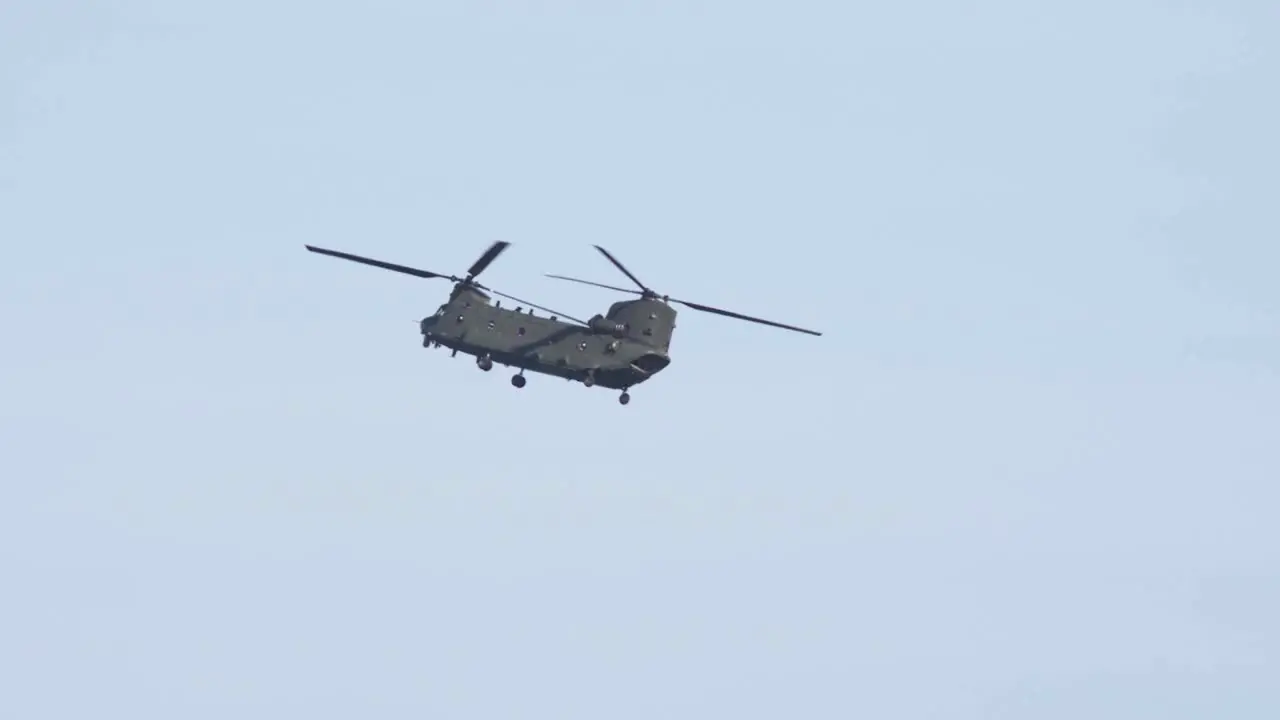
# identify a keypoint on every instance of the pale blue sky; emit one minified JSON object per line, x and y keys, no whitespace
{"x":1030,"y":471}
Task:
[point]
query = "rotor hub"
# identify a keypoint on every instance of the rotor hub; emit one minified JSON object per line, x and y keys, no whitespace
{"x":647,"y":294}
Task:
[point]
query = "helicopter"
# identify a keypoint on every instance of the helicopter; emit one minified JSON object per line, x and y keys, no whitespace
{"x":618,"y":350}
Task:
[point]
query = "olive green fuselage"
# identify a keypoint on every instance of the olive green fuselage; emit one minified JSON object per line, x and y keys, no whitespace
{"x":617,"y":350}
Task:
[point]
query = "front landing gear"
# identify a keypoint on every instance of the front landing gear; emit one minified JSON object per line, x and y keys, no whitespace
{"x":624,"y":398}
{"x":517,"y":380}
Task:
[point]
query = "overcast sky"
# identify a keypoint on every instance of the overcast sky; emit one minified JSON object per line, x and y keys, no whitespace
{"x":1029,"y":471}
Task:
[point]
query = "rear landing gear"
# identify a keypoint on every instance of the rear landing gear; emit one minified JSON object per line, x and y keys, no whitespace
{"x":517,"y":380}
{"x":624,"y":398}
{"x":485,"y":363}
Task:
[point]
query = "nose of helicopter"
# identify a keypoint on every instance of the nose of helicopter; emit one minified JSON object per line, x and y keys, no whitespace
{"x":651,"y":363}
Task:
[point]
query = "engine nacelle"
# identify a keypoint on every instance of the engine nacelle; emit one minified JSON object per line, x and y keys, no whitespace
{"x":604,"y":326}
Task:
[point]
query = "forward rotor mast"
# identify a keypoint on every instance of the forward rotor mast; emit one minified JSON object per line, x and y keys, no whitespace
{"x":649,"y":294}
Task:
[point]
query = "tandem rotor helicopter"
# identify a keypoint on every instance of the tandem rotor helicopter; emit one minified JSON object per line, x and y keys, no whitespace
{"x":618,"y":350}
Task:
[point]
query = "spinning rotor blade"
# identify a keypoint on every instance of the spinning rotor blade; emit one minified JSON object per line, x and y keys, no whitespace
{"x":549,"y":311}
{"x":489,"y":256}
{"x":727,"y":313}
{"x":588,"y":282}
{"x":621,"y":267}
{"x":696,"y":306}
{"x":380,"y":264}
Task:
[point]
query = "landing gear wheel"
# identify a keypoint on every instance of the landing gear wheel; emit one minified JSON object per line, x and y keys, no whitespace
{"x":485,"y":364}
{"x":517,"y":380}
{"x":624,"y":398}
{"x":589,"y":380}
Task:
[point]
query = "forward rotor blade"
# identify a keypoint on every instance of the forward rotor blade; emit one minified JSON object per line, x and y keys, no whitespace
{"x":727,"y":313}
{"x":549,"y":311}
{"x":380,"y":264}
{"x":624,"y":270}
{"x":601,"y":285}
{"x":489,"y":256}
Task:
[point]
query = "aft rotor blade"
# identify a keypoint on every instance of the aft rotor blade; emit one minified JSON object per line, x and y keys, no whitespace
{"x":380,"y":264}
{"x":620,"y":266}
{"x":489,"y":256}
{"x":727,"y":313}
{"x":549,"y":311}
{"x":600,"y":285}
